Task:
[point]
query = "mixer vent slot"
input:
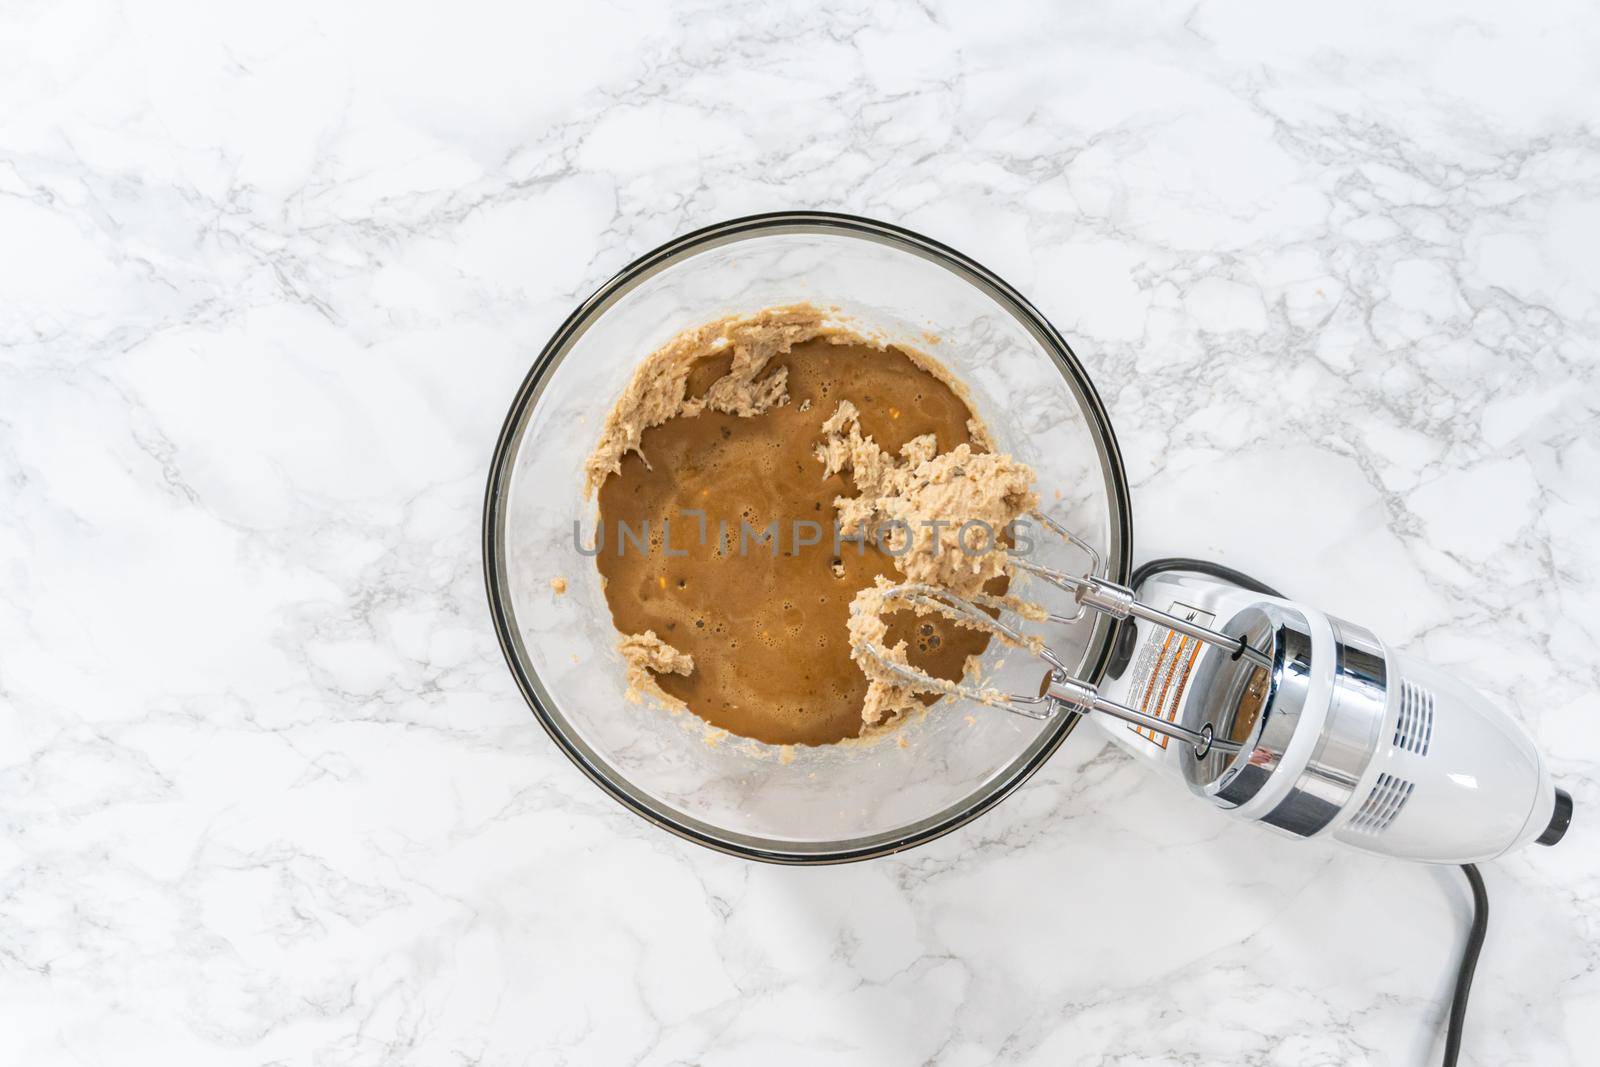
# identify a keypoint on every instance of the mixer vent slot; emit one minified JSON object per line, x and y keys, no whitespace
{"x":1389,"y":794}
{"x":1413,"y":730}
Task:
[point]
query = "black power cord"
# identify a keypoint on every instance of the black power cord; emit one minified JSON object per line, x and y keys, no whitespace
{"x":1480,"y":895}
{"x":1469,"y":964}
{"x":1150,"y":568}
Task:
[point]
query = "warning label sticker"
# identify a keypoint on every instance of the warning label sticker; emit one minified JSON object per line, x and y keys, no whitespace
{"x":1160,"y":671}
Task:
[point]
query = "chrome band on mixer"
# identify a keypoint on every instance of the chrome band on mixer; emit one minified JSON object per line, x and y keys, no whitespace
{"x":1349,"y":735}
{"x":1260,"y":707}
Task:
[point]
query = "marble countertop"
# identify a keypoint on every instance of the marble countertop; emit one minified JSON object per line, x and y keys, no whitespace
{"x":269,"y":275}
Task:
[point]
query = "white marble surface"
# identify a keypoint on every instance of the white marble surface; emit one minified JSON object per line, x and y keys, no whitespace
{"x":269,"y":274}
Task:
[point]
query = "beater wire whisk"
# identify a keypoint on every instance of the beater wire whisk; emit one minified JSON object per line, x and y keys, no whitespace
{"x":1061,"y":690}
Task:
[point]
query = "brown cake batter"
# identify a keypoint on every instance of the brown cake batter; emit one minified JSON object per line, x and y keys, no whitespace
{"x":740,"y":434}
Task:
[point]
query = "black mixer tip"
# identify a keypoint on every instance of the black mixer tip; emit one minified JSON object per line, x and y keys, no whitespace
{"x":1560,"y":819}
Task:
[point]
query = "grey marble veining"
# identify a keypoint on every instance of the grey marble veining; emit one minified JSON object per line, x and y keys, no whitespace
{"x":270,"y":275}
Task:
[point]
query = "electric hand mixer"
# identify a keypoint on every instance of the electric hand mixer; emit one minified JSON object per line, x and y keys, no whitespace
{"x":1277,"y":713}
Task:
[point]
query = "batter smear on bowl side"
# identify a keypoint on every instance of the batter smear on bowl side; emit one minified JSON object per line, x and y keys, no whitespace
{"x":758,"y":474}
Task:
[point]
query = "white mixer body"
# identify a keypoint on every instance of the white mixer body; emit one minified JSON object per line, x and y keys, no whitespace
{"x":1380,"y":751}
{"x":1453,"y":779}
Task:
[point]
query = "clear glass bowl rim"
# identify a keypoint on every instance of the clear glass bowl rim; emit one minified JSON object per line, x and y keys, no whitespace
{"x":1118,"y":559}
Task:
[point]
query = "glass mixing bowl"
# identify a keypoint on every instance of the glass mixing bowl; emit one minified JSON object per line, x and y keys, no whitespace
{"x":799,"y":805}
